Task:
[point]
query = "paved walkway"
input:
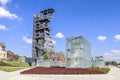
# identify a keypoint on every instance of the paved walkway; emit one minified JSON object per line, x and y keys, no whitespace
{"x":114,"y":74}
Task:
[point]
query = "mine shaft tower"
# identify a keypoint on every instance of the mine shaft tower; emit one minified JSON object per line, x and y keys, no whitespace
{"x":41,"y":35}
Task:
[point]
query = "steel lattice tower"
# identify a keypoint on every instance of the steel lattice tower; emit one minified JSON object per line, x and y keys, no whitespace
{"x":41,"y":35}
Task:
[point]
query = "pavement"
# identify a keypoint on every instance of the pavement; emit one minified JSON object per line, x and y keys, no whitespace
{"x":114,"y":74}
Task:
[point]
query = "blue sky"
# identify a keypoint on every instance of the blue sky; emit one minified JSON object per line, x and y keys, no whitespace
{"x":97,"y":20}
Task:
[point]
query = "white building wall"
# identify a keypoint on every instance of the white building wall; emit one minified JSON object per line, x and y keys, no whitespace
{"x":3,"y":54}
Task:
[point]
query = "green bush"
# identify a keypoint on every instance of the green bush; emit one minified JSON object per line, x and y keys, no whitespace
{"x":114,"y":63}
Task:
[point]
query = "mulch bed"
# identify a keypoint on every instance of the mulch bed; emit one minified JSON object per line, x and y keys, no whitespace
{"x":43,"y":70}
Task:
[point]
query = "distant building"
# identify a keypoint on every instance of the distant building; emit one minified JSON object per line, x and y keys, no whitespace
{"x":11,"y":55}
{"x":78,"y":51}
{"x":6,"y":54}
{"x":2,"y":46}
{"x":25,"y":59}
{"x":98,"y":61}
{"x":2,"y":51}
{"x":22,"y":59}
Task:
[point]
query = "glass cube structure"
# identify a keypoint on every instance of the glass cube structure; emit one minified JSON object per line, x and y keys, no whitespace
{"x":78,"y":52}
{"x":98,"y":61}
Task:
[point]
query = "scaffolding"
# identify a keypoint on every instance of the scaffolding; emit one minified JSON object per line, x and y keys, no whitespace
{"x":41,"y":35}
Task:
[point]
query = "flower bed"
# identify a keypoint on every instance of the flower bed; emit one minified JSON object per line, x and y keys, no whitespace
{"x":41,"y":70}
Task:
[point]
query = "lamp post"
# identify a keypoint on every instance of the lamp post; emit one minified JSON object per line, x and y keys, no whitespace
{"x":92,"y":62}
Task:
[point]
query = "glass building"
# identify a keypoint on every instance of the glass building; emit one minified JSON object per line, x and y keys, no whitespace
{"x":78,"y":51}
{"x":98,"y":61}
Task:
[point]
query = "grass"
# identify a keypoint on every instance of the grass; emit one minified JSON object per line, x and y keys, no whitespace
{"x":13,"y":63}
{"x":16,"y":63}
{"x":4,"y":64}
{"x":104,"y":70}
{"x":9,"y":66}
{"x":8,"y":69}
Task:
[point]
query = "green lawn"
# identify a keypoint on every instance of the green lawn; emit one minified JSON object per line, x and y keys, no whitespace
{"x":104,"y":70}
{"x":9,"y":66}
{"x":18,"y":64}
{"x":13,"y":63}
{"x":8,"y":69}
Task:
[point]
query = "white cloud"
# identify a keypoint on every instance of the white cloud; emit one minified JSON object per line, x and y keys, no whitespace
{"x":115,"y":51}
{"x":117,"y":37}
{"x":113,"y":55}
{"x":27,"y":40}
{"x":59,"y":35}
{"x":4,"y":2}
{"x":3,"y":27}
{"x":101,"y":38}
{"x":6,"y":14}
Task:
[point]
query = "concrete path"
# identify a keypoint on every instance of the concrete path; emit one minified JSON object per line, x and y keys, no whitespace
{"x":114,"y":74}
{"x":7,"y":75}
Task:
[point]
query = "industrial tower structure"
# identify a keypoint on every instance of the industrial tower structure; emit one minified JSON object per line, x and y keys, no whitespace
{"x":41,"y":36}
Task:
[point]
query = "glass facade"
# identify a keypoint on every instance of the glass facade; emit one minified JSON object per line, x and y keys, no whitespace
{"x":78,"y":51}
{"x":98,"y":61}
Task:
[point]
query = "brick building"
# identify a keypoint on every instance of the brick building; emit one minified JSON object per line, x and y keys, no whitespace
{"x":58,"y":60}
{"x":6,"y":54}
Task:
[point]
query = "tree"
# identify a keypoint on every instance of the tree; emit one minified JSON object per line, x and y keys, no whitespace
{"x":46,"y":57}
{"x":108,"y":63}
{"x":60,"y":53}
{"x":114,"y":63}
{"x":47,"y":53}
